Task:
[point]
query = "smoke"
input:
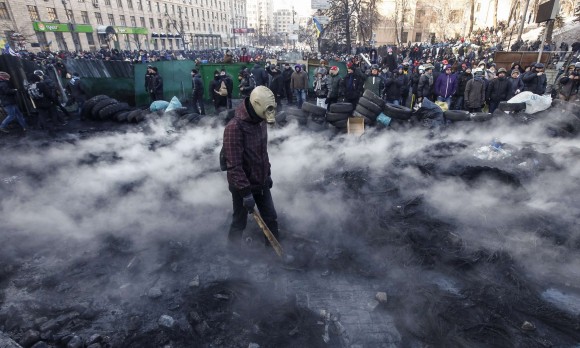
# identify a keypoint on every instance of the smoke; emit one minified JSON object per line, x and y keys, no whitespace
{"x":149,"y":184}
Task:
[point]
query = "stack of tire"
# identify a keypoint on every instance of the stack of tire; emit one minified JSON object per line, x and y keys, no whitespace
{"x":511,"y":107}
{"x":462,"y":115}
{"x":315,"y":117}
{"x":102,"y":107}
{"x":297,"y":115}
{"x":338,"y":115}
{"x":369,"y":107}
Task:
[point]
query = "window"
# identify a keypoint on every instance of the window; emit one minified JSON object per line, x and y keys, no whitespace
{"x":122,"y":20}
{"x":455,"y":16}
{"x":404,"y":36}
{"x":108,"y":2}
{"x":120,"y":3}
{"x":159,"y":24}
{"x":99,"y":18}
{"x":52,"y":14}
{"x":151,"y":23}
{"x":133,"y":21}
{"x":4,"y":11}
{"x":157,"y":6}
{"x":130,"y":4}
{"x":111,"y":19}
{"x":478,"y":7}
{"x":85,"y":17}
{"x":90,"y":39}
{"x":82,"y":1}
{"x":70,"y":16}
{"x":173,"y":9}
{"x":140,"y":5}
{"x":142,"y":19}
{"x":165,"y":6}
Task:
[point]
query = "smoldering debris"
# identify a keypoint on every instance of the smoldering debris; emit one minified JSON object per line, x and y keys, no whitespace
{"x":116,"y":238}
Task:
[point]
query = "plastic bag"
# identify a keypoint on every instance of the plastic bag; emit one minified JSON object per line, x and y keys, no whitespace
{"x":173,"y":104}
{"x":534,"y":103}
{"x":384,"y":119}
{"x":442,"y":105}
{"x":158,"y":105}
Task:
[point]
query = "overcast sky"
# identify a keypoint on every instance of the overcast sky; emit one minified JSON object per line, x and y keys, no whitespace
{"x":300,"y":6}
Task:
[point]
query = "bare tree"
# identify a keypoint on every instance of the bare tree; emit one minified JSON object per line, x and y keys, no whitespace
{"x":402,"y":9}
{"x":343,"y":15}
{"x":20,"y":35}
{"x":495,"y":13}
{"x":368,"y":19}
{"x":471,"y":16}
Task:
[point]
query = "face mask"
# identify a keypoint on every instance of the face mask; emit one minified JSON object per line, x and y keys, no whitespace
{"x":263,"y":102}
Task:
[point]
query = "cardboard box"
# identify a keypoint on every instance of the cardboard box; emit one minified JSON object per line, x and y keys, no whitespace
{"x":356,"y":125}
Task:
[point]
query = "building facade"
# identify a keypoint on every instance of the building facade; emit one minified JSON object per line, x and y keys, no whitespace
{"x":282,"y":20}
{"x":261,"y":19}
{"x":122,"y":24}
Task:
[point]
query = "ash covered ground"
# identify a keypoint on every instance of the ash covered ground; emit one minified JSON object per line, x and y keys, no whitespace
{"x":116,"y":237}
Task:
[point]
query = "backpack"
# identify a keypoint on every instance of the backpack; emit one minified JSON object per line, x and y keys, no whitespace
{"x":223,"y":91}
{"x":34,"y":92}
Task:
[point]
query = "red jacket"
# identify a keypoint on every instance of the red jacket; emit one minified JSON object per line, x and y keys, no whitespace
{"x":246,"y":151}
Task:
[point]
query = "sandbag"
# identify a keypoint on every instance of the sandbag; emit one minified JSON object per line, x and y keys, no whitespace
{"x":158,"y":105}
{"x":534,"y":103}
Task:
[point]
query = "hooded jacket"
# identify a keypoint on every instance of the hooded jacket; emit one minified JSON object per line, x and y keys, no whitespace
{"x":260,"y":75}
{"x":352,"y":86}
{"x":446,"y":85}
{"x":245,"y":147}
{"x":394,"y":86}
{"x":299,"y":80}
{"x":333,"y":85}
{"x":425,"y":86}
{"x":534,"y":83}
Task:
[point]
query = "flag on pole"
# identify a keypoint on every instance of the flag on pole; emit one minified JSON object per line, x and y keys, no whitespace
{"x":8,"y":50}
{"x":317,"y":26}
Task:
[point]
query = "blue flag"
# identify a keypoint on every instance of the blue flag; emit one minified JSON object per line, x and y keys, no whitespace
{"x":317,"y":26}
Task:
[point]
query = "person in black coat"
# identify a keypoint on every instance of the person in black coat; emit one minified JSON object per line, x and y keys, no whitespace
{"x":229,"y":85}
{"x":9,"y":103}
{"x":287,"y":77}
{"x":498,"y":90}
{"x":516,"y":83}
{"x":197,"y":92}
{"x":154,"y":84}
{"x":260,"y":75}
{"x":76,"y":92}
{"x":214,"y":91}
{"x":535,"y":80}
{"x":277,"y":86}
{"x":45,"y":102}
{"x":461,"y":84}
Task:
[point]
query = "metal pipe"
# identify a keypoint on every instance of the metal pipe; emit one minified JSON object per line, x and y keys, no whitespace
{"x":523,"y":21}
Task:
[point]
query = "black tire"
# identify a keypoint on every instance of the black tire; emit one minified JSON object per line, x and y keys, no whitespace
{"x":368,"y":120}
{"x":295,"y":112}
{"x":316,"y":126}
{"x":336,"y":116}
{"x":397,"y":112}
{"x":140,"y":117}
{"x":368,"y":94}
{"x":365,"y":112}
{"x":131,"y":117}
{"x":88,"y":106}
{"x":192,"y":118}
{"x":505,"y":106}
{"x":481,"y":116}
{"x":108,"y":112}
{"x":342,"y":124}
{"x":369,"y":105}
{"x":313,"y":109}
{"x":457,"y":115}
{"x":344,"y":108}
{"x":100,"y":105}
{"x":122,"y":116}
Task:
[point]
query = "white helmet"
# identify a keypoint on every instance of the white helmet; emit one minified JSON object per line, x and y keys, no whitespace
{"x":421,"y":69}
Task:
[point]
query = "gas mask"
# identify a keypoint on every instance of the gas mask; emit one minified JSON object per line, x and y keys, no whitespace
{"x":264,"y":103}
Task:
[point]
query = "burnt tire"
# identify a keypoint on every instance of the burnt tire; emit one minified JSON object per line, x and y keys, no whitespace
{"x":313,"y":109}
{"x":88,"y":106}
{"x":481,"y":116}
{"x":344,"y":108}
{"x":122,"y":116}
{"x":369,"y":105}
{"x":336,"y":116}
{"x":397,"y":112}
{"x":101,"y":105}
{"x":365,"y":112}
{"x":316,"y":126}
{"x":457,"y":115}
{"x":505,"y":106}
{"x":368,"y":94}
{"x":109,"y":112}
{"x":342,"y":124}
{"x":368,"y":120}
{"x":141,"y":116}
{"x":133,"y":115}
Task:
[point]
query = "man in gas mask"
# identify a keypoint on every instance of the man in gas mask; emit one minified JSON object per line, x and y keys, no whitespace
{"x":248,"y":166}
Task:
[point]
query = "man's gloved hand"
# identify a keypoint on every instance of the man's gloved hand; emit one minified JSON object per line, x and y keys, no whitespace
{"x":269,"y":182}
{"x":249,"y":203}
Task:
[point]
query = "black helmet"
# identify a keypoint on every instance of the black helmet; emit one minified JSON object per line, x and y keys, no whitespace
{"x":38,"y":72}
{"x":375,"y":66}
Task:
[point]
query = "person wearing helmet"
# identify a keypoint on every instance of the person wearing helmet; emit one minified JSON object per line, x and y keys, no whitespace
{"x":247,"y":163}
{"x":475,"y":92}
{"x":299,"y":84}
{"x":498,"y":90}
{"x":535,"y":80}
{"x":374,"y":82}
{"x":425,"y":87}
{"x":446,"y":86}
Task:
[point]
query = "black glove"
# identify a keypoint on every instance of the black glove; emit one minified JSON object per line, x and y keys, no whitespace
{"x":269,"y":182}
{"x":249,"y":203}
{"x":326,"y":101}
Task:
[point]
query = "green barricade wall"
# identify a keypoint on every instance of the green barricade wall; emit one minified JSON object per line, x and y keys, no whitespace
{"x":122,"y":89}
{"x":177,"y":79}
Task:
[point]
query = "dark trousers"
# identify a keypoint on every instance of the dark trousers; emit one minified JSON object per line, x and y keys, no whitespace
{"x":265,"y":205}
{"x":198,"y":104}
{"x":289,"y":92}
{"x":474,"y":109}
{"x":44,"y":114}
{"x":330,"y":101}
{"x":493,"y":105}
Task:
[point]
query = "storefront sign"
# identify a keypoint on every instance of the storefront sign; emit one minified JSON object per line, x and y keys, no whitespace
{"x":62,"y":27}
{"x":131,"y":30}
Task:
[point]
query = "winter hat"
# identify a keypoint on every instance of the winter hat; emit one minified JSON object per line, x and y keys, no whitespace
{"x":334,"y":68}
{"x":216,"y":72}
{"x":297,"y":67}
{"x":154,"y":68}
{"x":501,"y":70}
{"x":515,"y":71}
{"x":4,"y":76}
{"x":194,"y":71}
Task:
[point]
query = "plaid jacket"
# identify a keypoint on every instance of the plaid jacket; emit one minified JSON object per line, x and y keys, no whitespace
{"x":245,"y":146}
